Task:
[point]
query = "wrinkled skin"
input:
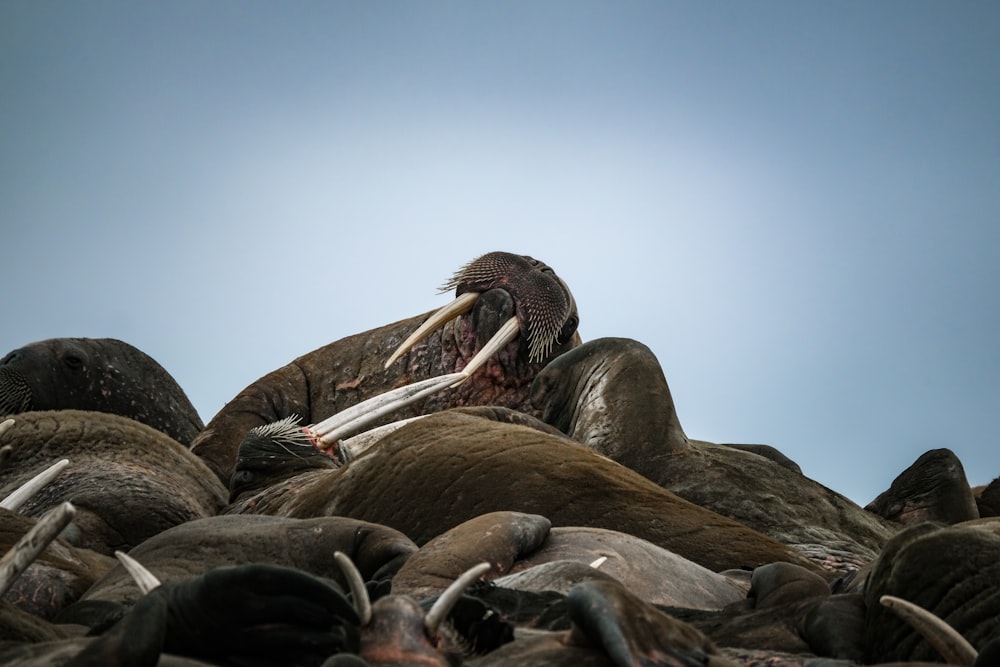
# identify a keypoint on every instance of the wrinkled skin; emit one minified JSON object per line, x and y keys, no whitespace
{"x":435,"y":473}
{"x":952,"y":571}
{"x":127,"y":480}
{"x":345,"y":372}
{"x":57,"y":578}
{"x":98,"y":374}
{"x":611,"y":395}
{"x":934,"y":488}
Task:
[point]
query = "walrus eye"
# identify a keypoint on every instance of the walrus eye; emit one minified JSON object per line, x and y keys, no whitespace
{"x":74,"y":362}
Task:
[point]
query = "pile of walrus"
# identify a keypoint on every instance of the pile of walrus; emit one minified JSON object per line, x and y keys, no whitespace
{"x":475,"y":486}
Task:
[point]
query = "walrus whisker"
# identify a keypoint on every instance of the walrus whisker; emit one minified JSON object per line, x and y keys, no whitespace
{"x":144,"y":579}
{"x":446,"y":602}
{"x":34,"y":542}
{"x":952,"y":646}
{"x":458,"y":307}
{"x":21,"y":494}
{"x":347,"y":422}
{"x":359,"y":593}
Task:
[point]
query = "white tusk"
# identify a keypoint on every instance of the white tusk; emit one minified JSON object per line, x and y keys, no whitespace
{"x":598,"y":562}
{"x":144,"y":579}
{"x":952,"y":646}
{"x":446,"y":602}
{"x":29,"y":547}
{"x":362,"y":603}
{"x":353,"y":447}
{"x":357,"y":417}
{"x":461,"y":305}
{"x":5,"y":424}
{"x":21,"y":494}
{"x":504,"y":335}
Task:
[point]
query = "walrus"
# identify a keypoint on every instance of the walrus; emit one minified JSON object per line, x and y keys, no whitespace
{"x":951,"y":571}
{"x":194,"y":547}
{"x":439,"y":471}
{"x":611,"y":395}
{"x":933,"y":488}
{"x":128,"y":480}
{"x":98,"y":374}
{"x":526,"y":553}
{"x":492,"y":290}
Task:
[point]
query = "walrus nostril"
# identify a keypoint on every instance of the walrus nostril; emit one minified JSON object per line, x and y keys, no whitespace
{"x":15,"y":393}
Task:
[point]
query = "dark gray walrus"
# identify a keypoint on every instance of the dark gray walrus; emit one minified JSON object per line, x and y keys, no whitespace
{"x":101,"y":374}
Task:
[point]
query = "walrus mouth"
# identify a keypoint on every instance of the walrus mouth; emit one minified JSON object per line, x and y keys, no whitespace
{"x":545,"y":308}
{"x":15,"y":393}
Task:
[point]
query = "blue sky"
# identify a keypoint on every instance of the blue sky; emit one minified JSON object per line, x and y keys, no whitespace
{"x":795,"y":205}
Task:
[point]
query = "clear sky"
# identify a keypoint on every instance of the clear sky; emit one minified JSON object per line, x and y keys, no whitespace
{"x":796,"y":205}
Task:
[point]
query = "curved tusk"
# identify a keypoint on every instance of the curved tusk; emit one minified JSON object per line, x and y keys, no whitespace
{"x":144,"y":579}
{"x":356,"y":445}
{"x":5,"y":424}
{"x":952,"y":646}
{"x":446,"y":602}
{"x":505,"y":334}
{"x":362,"y":603}
{"x":355,"y":418}
{"x":461,"y":305}
{"x":598,"y":562}
{"x":21,"y":494}
{"x":29,"y":547}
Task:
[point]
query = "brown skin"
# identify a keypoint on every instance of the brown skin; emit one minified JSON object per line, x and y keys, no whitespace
{"x":611,"y":395}
{"x":99,"y":374}
{"x":952,"y":571}
{"x":440,"y":471}
{"x":934,"y":488}
{"x":345,"y":372}
{"x":127,"y":480}
{"x":57,"y":578}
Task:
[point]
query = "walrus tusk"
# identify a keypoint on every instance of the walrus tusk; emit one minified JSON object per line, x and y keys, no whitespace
{"x":143,"y":578}
{"x":355,"y":418}
{"x":447,"y":600}
{"x":5,"y":424}
{"x":362,"y":603}
{"x":505,"y":334}
{"x":952,"y":646}
{"x":356,"y":445}
{"x":21,"y":494}
{"x":34,"y":542}
{"x":459,"y":306}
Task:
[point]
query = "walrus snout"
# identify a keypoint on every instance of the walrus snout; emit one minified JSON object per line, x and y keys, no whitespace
{"x":15,"y":393}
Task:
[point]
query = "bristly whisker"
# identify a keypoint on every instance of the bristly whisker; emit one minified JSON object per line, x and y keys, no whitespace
{"x":284,"y":432}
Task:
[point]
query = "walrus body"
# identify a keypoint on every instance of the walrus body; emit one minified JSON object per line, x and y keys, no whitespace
{"x":98,"y":374}
{"x":447,"y":468}
{"x":127,"y":480}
